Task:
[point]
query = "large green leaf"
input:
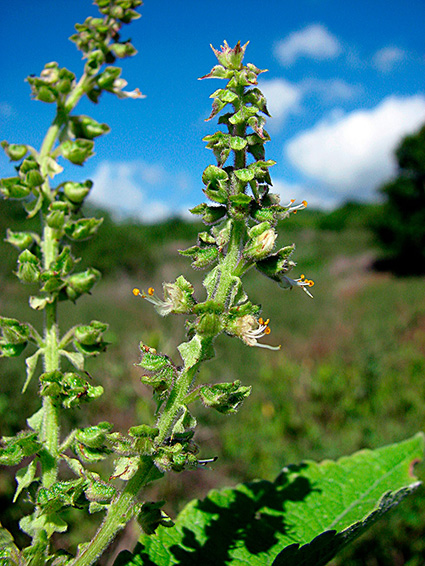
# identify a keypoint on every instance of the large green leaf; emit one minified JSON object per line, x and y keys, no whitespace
{"x":303,"y":518}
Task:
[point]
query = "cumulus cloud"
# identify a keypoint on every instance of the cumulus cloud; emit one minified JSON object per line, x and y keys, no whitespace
{"x":131,"y":189}
{"x":387,"y":58}
{"x":283,"y":98}
{"x":351,"y":154}
{"x":331,"y":90}
{"x":314,"y":41}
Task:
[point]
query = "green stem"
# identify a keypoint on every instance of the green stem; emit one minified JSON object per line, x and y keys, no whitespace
{"x":229,"y":263}
{"x":50,"y":433}
{"x":50,"y":427}
{"x":119,"y":513}
{"x":175,"y":402}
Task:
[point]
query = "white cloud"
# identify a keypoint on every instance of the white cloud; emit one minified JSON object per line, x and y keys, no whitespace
{"x":387,"y":58}
{"x":125,"y":189}
{"x":282,"y":97}
{"x":314,"y":41}
{"x":331,"y":90}
{"x":6,"y":110}
{"x":352,"y":154}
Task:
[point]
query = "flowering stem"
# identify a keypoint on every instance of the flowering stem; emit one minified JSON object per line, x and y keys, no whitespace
{"x":50,"y":431}
{"x":175,"y":402}
{"x":119,"y":513}
{"x":229,"y":263}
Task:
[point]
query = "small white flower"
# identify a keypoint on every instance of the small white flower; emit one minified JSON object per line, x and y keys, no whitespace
{"x":250,"y":330}
{"x":290,"y":208}
{"x":287,"y":283}
{"x":119,"y":84}
{"x":162,"y":307}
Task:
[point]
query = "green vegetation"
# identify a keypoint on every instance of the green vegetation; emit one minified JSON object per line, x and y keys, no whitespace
{"x":400,"y":225}
{"x":350,"y":373}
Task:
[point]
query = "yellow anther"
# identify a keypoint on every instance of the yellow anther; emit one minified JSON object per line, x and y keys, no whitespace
{"x":302,"y":276}
{"x":267,"y":330}
{"x":310,"y":283}
{"x":292,"y":200}
{"x":304,"y":202}
{"x":136,"y":292}
{"x":151,"y":291}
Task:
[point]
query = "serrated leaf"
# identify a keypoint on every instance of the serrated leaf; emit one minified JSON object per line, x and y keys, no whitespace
{"x":303,"y":518}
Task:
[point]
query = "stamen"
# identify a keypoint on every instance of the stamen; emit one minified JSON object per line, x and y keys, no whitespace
{"x":151,"y":291}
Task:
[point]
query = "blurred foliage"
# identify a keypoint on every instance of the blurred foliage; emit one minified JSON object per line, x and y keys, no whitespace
{"x":400,"y":224}
{"x":350,"y":373}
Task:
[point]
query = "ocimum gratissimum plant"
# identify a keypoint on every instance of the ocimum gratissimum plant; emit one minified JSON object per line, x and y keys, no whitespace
{"x":260,"y":523}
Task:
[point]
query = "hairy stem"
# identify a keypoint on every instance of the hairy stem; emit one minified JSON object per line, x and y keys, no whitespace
{"x":119,"y":513}
{"x":175,"y":402}
{"x":50,"y":432}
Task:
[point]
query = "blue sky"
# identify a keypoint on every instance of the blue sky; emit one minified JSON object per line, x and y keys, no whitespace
{"x":345,"y":84}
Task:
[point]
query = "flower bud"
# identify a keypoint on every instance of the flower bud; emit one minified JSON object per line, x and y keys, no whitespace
{"x":77,"y":151}
{"x":87,"y":128}
{"x":225,"y":398}
{"x":122,"y":50}
{"x":262,"y":242}
{"x":81,"y":283}
{"x":83,"y":228}
{"x":28,"y":267}
{"x":277,"y":264}
{"x":107,"y":78}
{"x":209,"y":324}
{"x":15,"y":152}
{"x":34,"y":178}
{"x":13,"y":331}
{"x":94,"y":436}
{"x":45,"y":94}
{"x":14,"y":187}
{"x":90,"y":334}
{"x":230,"y":58}
{"x":77,"y":192}
{"x":20,"y":240}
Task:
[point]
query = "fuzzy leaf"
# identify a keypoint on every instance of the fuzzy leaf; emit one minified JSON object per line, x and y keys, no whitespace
{"x":304,"y":517}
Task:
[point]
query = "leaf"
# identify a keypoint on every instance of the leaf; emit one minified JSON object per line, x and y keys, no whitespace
{"x":76,"y":358}
{"x":9,"y":552}
{"x":24,"y":477}
{"x":31,"y":364}
{"x":303,"y":518}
